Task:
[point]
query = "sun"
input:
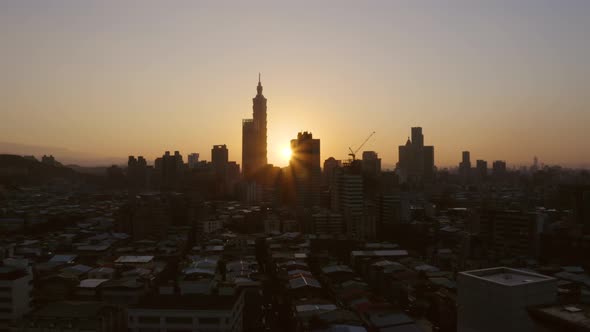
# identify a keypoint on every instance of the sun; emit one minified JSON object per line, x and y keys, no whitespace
{"x":286,"y":153}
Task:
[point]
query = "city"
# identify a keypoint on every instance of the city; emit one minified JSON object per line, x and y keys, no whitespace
{"x":194,"y":241}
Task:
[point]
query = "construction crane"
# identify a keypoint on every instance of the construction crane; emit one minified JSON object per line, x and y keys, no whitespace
{"x":353,"y":153}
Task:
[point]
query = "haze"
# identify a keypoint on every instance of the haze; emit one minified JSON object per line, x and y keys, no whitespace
{"x":508,"y":80}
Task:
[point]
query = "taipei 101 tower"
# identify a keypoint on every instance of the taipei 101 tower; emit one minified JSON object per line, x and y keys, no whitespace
{"x":254,"y":137}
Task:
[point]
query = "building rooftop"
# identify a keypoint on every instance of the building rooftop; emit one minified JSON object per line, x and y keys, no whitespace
{"x":507,"y":277}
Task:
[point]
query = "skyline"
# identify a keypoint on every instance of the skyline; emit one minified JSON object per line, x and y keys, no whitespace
{"x":113,"y":81}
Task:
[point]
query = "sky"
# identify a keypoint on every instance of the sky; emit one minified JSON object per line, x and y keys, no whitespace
{"x":506,"y":80}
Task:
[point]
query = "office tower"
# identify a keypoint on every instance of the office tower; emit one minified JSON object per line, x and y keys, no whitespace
{"x":371,"y":164}
{"x":193,"y":160}
{"x":305,"y":166}
{"x":498,"y":299}
{"x":499,"y":167}
{"x":465,"y":164}
{"x":137,"y":173}
{"x":417,"y":136}
{"x":219,"y":159}
{"x":172,"y":168}
{"x":330,"y":166}
{"x":416,"y":161}
{"x":254,"y":137}
{"x":482,"y":168}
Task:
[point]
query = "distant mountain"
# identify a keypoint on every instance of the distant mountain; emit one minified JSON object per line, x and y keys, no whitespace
{"x":65,"y":156}
{"x":17,"y":170}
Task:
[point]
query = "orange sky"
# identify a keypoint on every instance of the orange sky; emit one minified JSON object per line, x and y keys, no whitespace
{"x":506,"y":81}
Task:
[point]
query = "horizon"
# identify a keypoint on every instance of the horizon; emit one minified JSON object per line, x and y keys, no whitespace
{"x":496,"y":80}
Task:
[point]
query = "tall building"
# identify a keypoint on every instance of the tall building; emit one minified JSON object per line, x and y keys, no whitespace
{"x":171,"y":168}
{"x":499,"y":167}
{"x":330,"y":166}
{"x":482,"y":168}
{"x":498,"y":299}
{"x":193,"y":160}
{"x":305,"y":166}
{"x":219,"y":159}
{"x":371,"y":163}
{"x":254,"y":137}
{"x":416,"y":161}
{"x":465,"y":164}
{"x":137,"y":172}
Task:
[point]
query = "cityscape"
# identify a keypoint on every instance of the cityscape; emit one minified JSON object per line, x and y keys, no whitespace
{"x":329,"y":241}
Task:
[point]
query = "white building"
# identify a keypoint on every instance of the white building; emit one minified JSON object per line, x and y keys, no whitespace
{"x":205,"y":313}
{"x":496,"y":299}
{"x":16,"y":285}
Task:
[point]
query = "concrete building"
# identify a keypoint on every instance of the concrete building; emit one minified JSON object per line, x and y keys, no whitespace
{"x":305,"y":167}
{"x":371,"y":164}
{"x":74,"y":316}
{"x":497,"y":299}
{"x":326,"y":222}
{"x":167,"y":313}
{"x":193,"y":160}
{"x":416,"y":161}
{"x":16,"y":286}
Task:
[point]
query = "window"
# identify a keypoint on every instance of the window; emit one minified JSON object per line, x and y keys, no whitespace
{"x":148,"y":320}
{"x":209,"y":320}
{"x":179,"y":320}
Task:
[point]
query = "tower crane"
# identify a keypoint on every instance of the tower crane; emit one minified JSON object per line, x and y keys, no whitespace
{"x":353,"y":153}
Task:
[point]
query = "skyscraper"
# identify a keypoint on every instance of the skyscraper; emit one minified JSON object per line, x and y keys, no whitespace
{"x":465,"y":165}
{"x":416,"y":161}
{"x":254,"y":136}
{"x":305,"y":165}
{"x":219,"y":159}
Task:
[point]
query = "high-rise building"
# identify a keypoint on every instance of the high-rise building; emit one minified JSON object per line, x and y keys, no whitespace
{"x":416,"y":161}
{"x":193,"y":160}
{"x":371,"y":163}
{"x":499,"y":167}
{"x":305,"y":166}
{"x":172,"y":167}
{"x":330,"y":166}
{"x":498,"y":299}
{"x":219,"y":159}
{"x":254,"y":137}
{"x":465,"y":164}
{"x":482,"y":168}
{"x":137,"y":173}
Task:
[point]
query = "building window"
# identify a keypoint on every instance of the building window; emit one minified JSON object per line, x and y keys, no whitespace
{"x":148,"y":320}
{"x":209,"y":320}
{"x":179,"y":320}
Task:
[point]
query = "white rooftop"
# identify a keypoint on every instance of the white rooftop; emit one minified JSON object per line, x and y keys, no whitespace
{"x":507,"y":277}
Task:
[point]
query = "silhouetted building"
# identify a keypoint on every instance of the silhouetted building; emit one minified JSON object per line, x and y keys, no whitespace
{"x":137,"y":173}
{"x":254,"y":137}
{"x":482,"y":168}
{"x":499,"y":167}
{"x":219,"y":159}
{"x":465,"y":165}
{"x":172,"y":169}
{"x":371,"y":163}
{"x":416,"y":161}
{"x":305,"y":165}
{"x":193,"y":160}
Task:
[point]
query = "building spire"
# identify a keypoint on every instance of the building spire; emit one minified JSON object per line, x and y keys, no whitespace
{"x":259,"y":87}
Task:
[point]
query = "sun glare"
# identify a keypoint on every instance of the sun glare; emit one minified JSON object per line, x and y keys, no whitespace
{"x":286,"y":153}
